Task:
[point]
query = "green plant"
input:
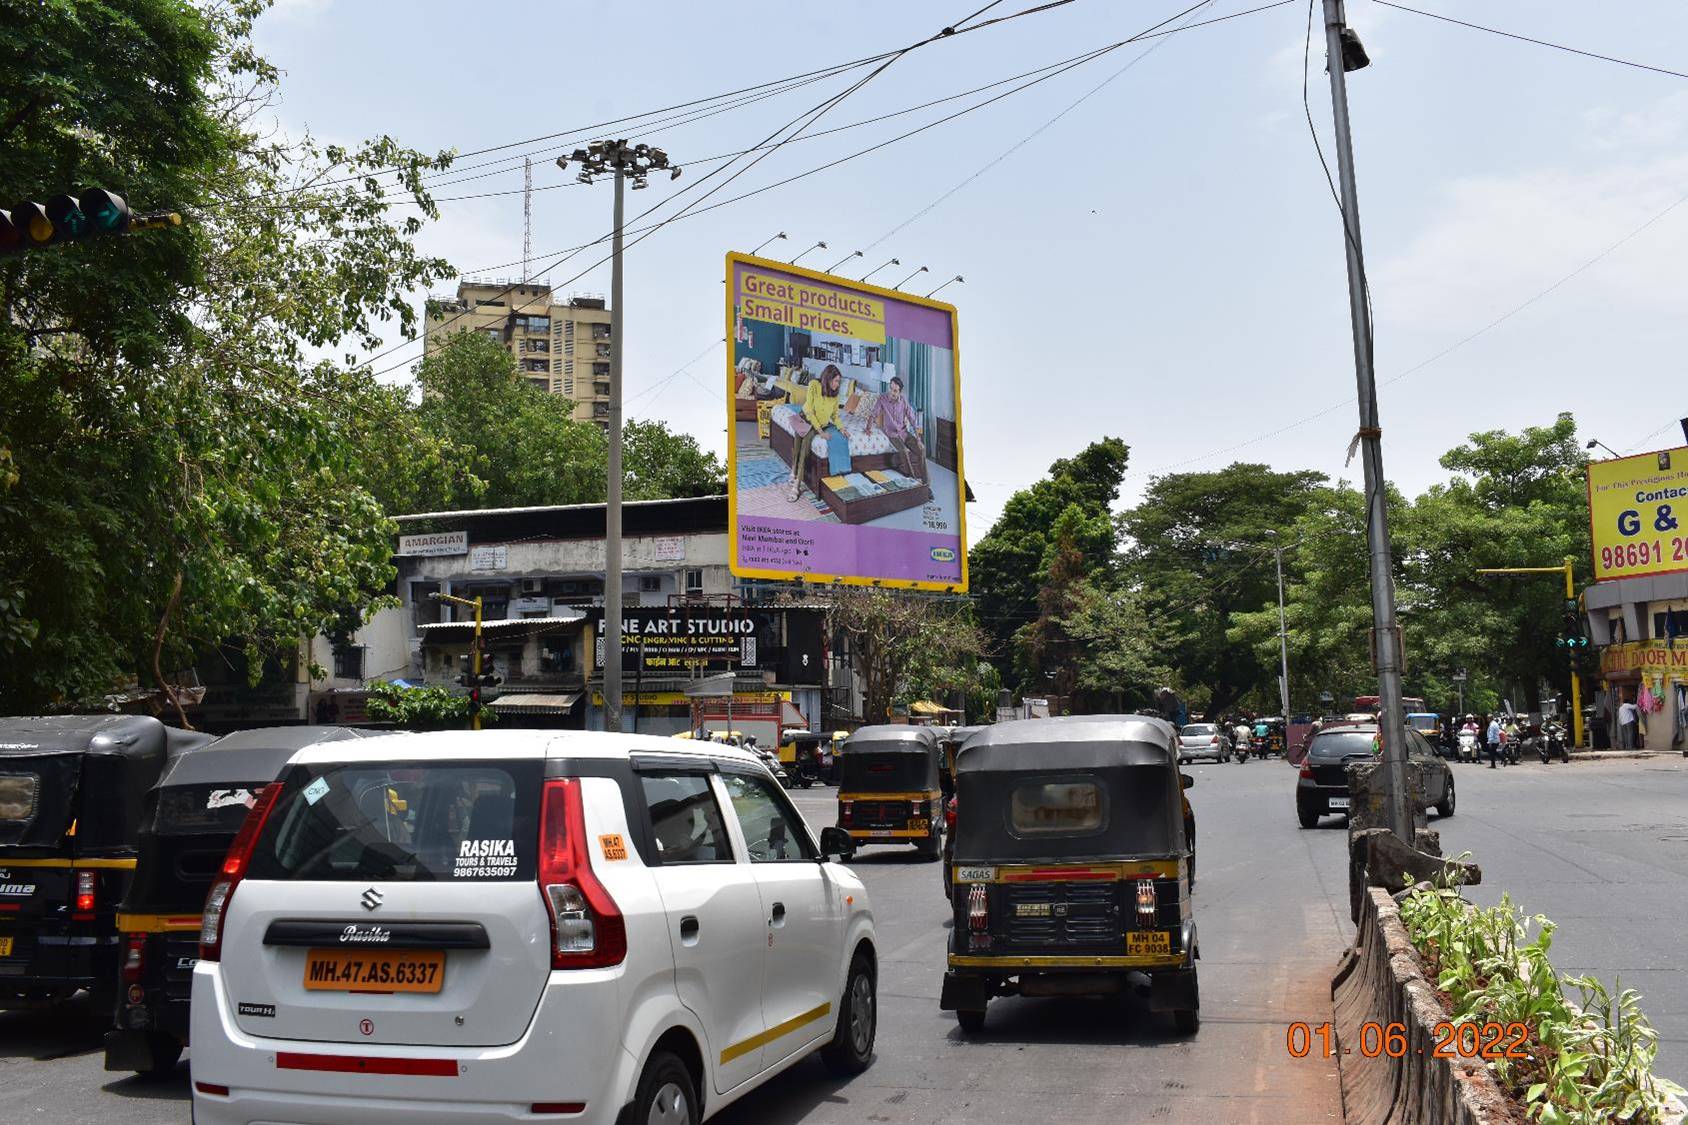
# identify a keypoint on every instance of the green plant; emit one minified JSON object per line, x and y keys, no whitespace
{"x":1588,"y":1063}
{"x":419,"y":706}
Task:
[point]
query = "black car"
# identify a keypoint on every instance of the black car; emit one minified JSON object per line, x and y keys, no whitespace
{"x":1323,"y":786}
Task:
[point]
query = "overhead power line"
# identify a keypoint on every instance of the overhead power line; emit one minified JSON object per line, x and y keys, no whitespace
{"x":1531,"y":39}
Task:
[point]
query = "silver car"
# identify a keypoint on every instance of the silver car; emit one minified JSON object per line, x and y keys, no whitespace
{"x":1203,"y":740}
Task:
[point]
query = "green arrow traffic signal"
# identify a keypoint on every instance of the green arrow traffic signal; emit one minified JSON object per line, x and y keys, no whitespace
{"x":64,"y":218}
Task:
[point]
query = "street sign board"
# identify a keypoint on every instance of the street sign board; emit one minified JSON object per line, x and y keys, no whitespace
{"x":434,"y":543}
{"x":844,"y":431}
{"x":1636,"y":514}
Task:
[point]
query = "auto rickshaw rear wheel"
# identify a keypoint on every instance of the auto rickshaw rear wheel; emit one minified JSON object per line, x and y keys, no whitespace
{"x":164,"y":1052}
{"x":972,"y":1020}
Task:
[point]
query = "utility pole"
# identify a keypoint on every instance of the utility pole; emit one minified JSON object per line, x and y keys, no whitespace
{"x":1343,"y":52}
{"x":1283,"y":634}
{"x":475,"y":685}
{"x":622,"y":162}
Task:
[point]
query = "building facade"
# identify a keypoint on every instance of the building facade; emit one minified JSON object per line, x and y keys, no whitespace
{"x":560,"y":344}
{"x":1640,"y":629}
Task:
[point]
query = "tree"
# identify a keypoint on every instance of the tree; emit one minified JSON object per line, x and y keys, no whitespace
{"x":1197,"y":549}
{"x":179,"y":475}
{"x":1007,"y":565}
{"x":661,"y":463}
{"x":901,"y":642}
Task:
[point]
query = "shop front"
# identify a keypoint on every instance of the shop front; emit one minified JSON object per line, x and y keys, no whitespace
{"x":1646,"y":681}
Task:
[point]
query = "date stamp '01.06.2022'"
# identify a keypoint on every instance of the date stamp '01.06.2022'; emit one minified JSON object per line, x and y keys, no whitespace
{"x":1453,"y":1040}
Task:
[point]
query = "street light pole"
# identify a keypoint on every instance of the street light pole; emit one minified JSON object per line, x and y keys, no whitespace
{"x":622,"y":162}
{"x":1343,"y":52}
{"x":1283,"y":633}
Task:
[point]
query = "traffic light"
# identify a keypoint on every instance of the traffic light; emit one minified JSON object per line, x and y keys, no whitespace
{"x":1572,"y":637}
{"x":72,"y":218}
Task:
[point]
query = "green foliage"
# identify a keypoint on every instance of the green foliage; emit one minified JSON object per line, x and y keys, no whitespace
{"x":1198,"y":550}
{"x":1584,"y":1067}
{"x":1010,"y":565}
{"x":182,"y":475}
{"x":905,"y":646}
{"x":420,"y":708}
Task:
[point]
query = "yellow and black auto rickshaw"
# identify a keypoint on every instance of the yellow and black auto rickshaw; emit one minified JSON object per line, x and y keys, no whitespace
{"x":1071,"y":867}
{"x":890,"y":791}
{"x":71,"y":790}
{"x":192,"y":816}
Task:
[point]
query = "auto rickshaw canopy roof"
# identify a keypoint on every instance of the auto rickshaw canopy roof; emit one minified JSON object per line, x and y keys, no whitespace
{"x":891,"y":738}
{"x":248,"y":756}
{"x":1069,"y":789}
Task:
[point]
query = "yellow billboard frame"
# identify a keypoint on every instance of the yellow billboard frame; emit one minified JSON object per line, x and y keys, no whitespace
{"x":1663,"y":547}
{"x":810,"y":577}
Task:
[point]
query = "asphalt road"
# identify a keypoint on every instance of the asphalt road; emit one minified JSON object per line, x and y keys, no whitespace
{"x":1602,"y":848}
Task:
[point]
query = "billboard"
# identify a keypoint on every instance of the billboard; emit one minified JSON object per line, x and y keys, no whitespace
{"x":844,"y":439}
{"x":1636,"y":507}
{"x":677,"y":640}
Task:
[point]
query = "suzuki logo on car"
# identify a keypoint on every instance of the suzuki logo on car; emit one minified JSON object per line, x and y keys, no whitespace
{"x":365,"y":935}
{"x":371,"y":899}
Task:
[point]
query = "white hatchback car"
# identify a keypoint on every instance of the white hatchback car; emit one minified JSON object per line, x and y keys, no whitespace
{"x":524,"y":926}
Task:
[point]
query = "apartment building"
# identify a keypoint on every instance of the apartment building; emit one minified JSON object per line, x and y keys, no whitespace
{"x":560,"y":344}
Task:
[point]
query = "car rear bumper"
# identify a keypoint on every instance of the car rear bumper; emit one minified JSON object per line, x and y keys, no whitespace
{"x":571,"y":1052}
{"x":1318,"y":798}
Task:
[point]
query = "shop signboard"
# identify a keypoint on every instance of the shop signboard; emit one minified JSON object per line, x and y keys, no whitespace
{"x":673,"y":641}
{"x":1645,"y":656}
{"x":434,"y":543}
{"x":844,"y":440}
{"x":1636,"y":510}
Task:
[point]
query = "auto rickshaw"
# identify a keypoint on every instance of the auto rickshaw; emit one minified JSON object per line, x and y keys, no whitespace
{"x":952,"y":742}
{"x":71,"y":794}
{"x":890,"y":791}
{"x":192,"y":816}
{"x":1071,"y":867}
{"x":807,"y":756}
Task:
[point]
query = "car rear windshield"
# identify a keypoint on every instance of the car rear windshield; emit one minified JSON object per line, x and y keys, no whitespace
{"x":193,"y":810}
{"x":1196,"y":729}
{"x":1058,"y":807}
{"x":1342,"y":744}
{"x":418,"y":821}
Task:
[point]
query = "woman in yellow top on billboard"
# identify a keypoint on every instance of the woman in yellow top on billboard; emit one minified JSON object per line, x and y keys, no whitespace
{"x":820,"y":411}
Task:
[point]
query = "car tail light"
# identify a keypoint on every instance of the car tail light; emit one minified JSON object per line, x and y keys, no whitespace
{"x":846,"y":813}
{"x":134,"y":959}
{"x":87,"y":895}
{"x":1214,"y":741}
{"x":587,"y":929}
{"x":949,"y":813}
{"x":978,"y":908}
{"x":1146,"y":902}
{"x":1306,"y":773}
{"x":234,"y":869}
{"x":211,"y":1088}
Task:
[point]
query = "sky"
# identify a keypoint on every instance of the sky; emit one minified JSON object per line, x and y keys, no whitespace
{"x":1161,"y":261}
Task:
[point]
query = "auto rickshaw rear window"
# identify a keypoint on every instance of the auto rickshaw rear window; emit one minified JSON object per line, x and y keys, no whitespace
{"x":19,"y":795}
{"x":197,"y":809}
{"x":1064,"y":807}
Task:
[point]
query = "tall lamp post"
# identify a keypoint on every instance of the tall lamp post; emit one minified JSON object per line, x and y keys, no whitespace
{"x":1283,"y":632}
{"x":1343,"y":52}
{"x":1459,"y":684}
{"x":623,"y":162}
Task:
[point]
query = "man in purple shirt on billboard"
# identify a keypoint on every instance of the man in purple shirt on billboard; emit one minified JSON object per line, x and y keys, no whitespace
{"x":896,"y":417}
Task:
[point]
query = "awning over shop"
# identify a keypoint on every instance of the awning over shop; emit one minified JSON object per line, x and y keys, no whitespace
{"x":461,"y":632}
{"x":533,"y":704}
{"x":927,"y":707}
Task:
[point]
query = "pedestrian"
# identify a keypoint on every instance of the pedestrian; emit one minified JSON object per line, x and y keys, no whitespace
{"x":1628,"y":716}
{"x":896,"y":417}
{"x":1491,"y":739}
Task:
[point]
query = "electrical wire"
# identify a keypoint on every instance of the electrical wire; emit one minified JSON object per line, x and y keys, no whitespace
{"x":1529,"y":39}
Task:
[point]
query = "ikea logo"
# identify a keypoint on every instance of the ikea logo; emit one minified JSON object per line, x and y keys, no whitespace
{"x":942,"y":554}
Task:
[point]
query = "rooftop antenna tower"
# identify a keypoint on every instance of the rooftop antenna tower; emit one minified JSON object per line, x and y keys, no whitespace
{"x":527,"y":216}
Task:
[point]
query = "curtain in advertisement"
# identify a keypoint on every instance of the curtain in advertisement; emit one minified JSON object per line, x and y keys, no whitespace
{"x":914,"y":364}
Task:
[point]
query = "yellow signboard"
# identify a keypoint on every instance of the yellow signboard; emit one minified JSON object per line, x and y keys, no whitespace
{"x":1645,"y":656}
{"x":681,"y":699}
{"x":1636,"y":510}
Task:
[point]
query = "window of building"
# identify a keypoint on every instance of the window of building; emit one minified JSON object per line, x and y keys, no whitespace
{"x":348,"y":662}
{"x":694,"y":580}
{"x":604,"y":350}
{"x":534,"y":323}
{"x":541,"y":384}
{"x":600,"y":369}
{"x":493,"y":302}
{"x":493,"y":333}
{"x":536,"y":344}
{"x":536,"y":364}
{"x":600,"y":332}
{"x":650,"y":583}
{"x":568,"y":329}
{"x":556,"y":656}
{"x":1670,"y":623}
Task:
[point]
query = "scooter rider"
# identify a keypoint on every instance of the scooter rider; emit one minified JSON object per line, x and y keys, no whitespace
{"x":1469,"y":727}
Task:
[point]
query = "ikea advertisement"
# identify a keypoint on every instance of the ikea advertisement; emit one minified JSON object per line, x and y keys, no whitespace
{"x":1636,"y":510}
{"x":844,"y":431}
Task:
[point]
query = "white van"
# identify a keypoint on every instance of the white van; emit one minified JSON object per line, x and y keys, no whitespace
{"x":524,"y":926}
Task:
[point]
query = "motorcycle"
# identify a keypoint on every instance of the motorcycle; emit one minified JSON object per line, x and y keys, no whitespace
{"x":1552,"y":744}
{"x":1469,"y":749}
